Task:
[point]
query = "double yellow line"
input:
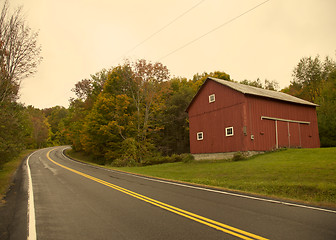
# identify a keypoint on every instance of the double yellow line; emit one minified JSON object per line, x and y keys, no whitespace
{"x":206,"y":221}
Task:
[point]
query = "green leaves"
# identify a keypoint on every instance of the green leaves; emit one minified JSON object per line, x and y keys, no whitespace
{"x":315,"y":80}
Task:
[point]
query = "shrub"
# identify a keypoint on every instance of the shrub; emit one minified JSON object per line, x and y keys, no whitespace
{"x":238,"y":156}
{"x":187,"y":157}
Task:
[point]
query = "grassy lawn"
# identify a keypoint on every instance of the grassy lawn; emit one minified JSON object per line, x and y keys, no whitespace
{"x":8,"y":170}
{"x":305,"y":175}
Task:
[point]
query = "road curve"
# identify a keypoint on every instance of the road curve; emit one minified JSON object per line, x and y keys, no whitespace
{"x":78,"y":201}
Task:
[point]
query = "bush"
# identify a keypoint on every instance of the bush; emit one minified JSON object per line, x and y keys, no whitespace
{"x":129,"y":154}
{"x":159,"y":159}
{"x":238,"y":156}
{"x":187,"y":157}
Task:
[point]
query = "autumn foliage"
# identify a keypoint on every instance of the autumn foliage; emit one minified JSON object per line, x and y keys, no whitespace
{"x":133,"y":114}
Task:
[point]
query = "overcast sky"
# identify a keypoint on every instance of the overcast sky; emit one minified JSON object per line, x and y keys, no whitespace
{"x":81,"y":37}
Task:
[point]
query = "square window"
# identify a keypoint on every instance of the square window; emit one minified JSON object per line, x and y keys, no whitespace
{"x":200,"y":136}
{"x":212,"y":98}
{"x":229,"y":131}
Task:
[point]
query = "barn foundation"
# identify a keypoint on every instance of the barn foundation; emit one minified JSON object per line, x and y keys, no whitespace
{"x":223,"y":156}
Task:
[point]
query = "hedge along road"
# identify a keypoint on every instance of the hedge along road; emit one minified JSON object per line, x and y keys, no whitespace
{"x":79,"y":201}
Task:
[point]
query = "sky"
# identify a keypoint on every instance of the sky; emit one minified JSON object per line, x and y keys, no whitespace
{"x":82,"y":37}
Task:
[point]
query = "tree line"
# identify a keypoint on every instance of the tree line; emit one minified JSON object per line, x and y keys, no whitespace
{"x":132,"y":114}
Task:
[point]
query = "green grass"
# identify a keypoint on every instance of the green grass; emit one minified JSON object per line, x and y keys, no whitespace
{"x":8,"y":170}
{"x":305,"y":175}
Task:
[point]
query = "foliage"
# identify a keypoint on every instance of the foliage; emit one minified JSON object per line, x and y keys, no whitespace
{"x":133,"y":114}
{"x":270,"y":85}
{"x":327,"y":112}
{"x":309,"y":77}
{"x":199,"y":79}
{"x":174,"y":136}
{"x":55,"y":117}
{"x":20,"y":52}
{"x":238,"y":156}
{"x":314,"y":80}
{"x":14,"y":130}
{"x":40,"y":128}
{"x":19,"y":57}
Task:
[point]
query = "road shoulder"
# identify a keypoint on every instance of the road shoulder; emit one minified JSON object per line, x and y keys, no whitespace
{"x":13,"y":210}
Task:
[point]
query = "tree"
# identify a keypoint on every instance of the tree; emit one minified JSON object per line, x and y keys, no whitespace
{"x":19,"y":57}
{"x":174,"y":137}
{"x":315,"y":81}
{"x":107,"y":125}
{"x":326,"y":113}
{"x":145,"y":89}
{"x":199,"y":79}
{"x":15,"y":129}
{"x":309,"y":77}
{"x":20,"y":52}
{"x":40,"y":128}
{"x":270,"y":85}
{"x":55,"y":117}
{"x":89,"y":89}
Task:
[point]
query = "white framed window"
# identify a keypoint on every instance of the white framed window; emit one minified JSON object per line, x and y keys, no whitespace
{"x":212,"y":98}
{"x":200,"y":136}
{"x":229,"y":131}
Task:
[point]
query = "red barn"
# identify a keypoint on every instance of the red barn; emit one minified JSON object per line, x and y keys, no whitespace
{"x":226,"y":117}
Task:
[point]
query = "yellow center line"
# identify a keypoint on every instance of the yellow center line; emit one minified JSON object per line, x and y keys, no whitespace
{"x":206,"y":221}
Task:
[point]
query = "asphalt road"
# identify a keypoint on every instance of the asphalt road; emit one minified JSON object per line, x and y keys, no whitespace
{"x":77,"y":201}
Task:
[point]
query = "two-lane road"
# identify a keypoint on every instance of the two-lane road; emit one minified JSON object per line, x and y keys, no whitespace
{"x":78,"y":201}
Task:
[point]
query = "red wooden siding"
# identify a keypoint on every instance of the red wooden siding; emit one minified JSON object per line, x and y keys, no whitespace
{"x":213,"y":118}
{"x":290,"y":134}
{"x":286,"y":124}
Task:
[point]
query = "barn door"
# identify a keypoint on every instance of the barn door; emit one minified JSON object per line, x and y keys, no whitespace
{"x":288,"y":134}
{"x":283,"y":135}
{"x":294,"y":135}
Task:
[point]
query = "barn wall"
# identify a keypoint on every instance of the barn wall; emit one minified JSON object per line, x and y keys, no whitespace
{"x":243,"y":113}
{"x":213,"y":118}
{"x":289,"y":134}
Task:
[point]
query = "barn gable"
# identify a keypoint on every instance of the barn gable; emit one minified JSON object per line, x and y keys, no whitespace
{"x":226,"y":117}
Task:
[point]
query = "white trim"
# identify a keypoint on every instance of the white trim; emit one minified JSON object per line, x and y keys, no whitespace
{"x":226,"y":133}
{"x":212,"y":98}
{"x":284,"y":120}
{"x":31,"y":207}
{"x":199,"y":137}
{"x":276,"y":135}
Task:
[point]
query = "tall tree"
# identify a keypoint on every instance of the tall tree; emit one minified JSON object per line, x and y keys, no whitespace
{"x":314,"y":80}
{"x":145,"y":88}
{"x":326,"y":113}
{"x":270,"y":85}
{"x":309,"y":77}
{"x":174,"y":136}
{"x":15,"y":130}
{"x":40,"y":128}
{"x":19,"y":57}
{"x":55,"y":117}
{"x":20,"y":51}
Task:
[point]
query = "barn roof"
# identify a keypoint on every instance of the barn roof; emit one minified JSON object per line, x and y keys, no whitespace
{"x":245,"y":89}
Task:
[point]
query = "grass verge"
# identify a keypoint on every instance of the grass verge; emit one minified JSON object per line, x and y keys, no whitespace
{"x":304,"y":175}
{"x":8,"y":170}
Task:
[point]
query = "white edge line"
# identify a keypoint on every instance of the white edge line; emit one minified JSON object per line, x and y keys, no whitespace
{"x":208,"y":190}
{"x":31,"y":208}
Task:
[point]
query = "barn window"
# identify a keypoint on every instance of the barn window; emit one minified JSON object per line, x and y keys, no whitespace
{"x":212,"y":98}
{"x":229,"y":131}
{"x":200,"y":136}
